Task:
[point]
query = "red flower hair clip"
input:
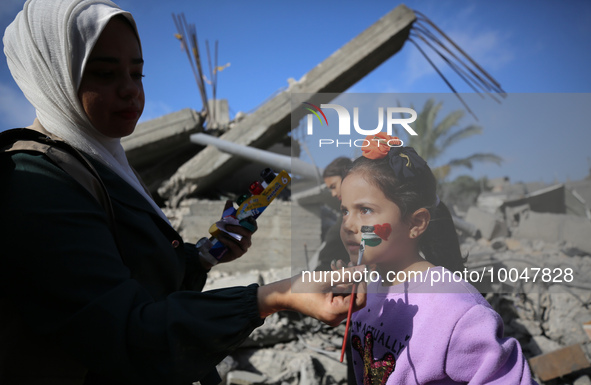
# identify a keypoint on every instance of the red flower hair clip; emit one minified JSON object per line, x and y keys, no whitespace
{"x":379,"y":145}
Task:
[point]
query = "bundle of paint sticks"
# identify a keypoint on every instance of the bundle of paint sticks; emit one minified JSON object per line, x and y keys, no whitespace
{"x":371,"y":236}
{"x":250,"y":206}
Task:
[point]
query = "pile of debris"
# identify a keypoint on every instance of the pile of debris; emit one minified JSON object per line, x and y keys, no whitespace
{"x":545,"y":229}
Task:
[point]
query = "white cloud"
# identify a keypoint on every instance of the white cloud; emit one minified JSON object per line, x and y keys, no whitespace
{"x":15,"y":109}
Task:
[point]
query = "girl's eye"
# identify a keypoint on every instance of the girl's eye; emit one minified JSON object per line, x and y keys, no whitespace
{"x":344,"y":212}
{"x":366,"y":210}
{"x":138,"y":75}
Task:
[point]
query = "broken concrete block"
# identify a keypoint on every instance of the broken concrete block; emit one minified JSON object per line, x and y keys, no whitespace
{"x":156,"y":139}
{"x":548,"y":200}
{"x":226,"y":366}
{"x":556,"y":227}
{"x":276,"y":329}
{"x":566,"y":315}
{"x":498,"y":244}
{"x":491,"y":202}
{"x":466,"y":227}
{"x":543,"y":345}
{"x":546,"y":227}
{"x":577,"y":231}
{"x":488,"y":224}
{"x":560,"y":362}
{"x":242,"y":377}
{"x":513,"y":214}
{"x":219,"y":114}
{"x":271,"y":243}
{"x":583,"y":380}
{"x":527,"y":327}
{"x":513,"y":244}
{"x":243,"y":279}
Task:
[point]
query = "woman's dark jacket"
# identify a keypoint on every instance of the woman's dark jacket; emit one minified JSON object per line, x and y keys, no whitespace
{"x":135,"y":315}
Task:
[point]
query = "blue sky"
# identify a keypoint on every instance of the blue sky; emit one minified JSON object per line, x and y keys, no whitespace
{"x":541,"y":47}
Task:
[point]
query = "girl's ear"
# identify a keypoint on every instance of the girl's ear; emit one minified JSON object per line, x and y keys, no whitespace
{"x":419,"y":221}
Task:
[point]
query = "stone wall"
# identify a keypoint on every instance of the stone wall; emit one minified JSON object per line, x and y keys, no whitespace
{"x":272,"y":245}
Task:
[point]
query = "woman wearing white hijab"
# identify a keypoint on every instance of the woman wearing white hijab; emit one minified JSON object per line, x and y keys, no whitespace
{"x":87,"y":310}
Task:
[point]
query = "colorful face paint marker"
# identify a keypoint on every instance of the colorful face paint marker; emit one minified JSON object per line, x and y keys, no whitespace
{"x":353,"y":289}
{"x":367,"y":235}
{"x":361,"y":250}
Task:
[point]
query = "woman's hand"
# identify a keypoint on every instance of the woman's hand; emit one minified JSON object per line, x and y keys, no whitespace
{"x":326,"y":301}
{"x":235,"y":248}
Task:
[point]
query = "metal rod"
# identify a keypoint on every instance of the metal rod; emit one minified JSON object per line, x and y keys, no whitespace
{"x":284,"y":162}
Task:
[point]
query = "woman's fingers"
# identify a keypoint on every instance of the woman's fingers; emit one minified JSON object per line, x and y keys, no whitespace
{"x":237,"y":246}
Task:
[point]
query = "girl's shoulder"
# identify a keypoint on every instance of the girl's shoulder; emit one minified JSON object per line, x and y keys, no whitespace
{"x":436,"y":287}
{"x":435,"y":279}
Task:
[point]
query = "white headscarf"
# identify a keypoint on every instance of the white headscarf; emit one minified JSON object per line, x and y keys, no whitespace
{"x":47,"y":46}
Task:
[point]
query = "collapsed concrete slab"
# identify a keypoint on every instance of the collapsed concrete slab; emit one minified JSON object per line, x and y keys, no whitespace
{"x":156,"y":139}
{"x":272,"y":121}
{"x":277,"y":242}
{"x":556,"y":199}
{"x":556,"y":227}
{"x":562,"y":362}
{"x":489,"y":225}
{"x":160,"y":146}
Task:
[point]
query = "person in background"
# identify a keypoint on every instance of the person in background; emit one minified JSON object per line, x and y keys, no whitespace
{"x":332,"y":247}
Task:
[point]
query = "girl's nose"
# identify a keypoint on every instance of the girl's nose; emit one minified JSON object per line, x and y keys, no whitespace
{"x":349,"y":225}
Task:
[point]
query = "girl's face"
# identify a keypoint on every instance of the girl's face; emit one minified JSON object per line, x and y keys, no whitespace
{"x":364,"y":204}
{"x":111,"y":90}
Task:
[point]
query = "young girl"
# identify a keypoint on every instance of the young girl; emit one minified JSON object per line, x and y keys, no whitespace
{"x":414,"y":331}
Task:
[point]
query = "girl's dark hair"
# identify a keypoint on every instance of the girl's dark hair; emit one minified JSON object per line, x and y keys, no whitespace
{"x":337,"y":167}
{"x":439,"y":243}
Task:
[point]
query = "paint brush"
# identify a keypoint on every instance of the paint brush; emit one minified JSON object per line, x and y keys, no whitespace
{"x":366,"y":234}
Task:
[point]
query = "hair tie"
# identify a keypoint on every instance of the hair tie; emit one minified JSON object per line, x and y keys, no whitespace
{"x":405,"y":162}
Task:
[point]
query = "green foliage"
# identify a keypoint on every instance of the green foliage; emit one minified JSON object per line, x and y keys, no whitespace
{"x":462,"y":192}
{"x":434,"y":137}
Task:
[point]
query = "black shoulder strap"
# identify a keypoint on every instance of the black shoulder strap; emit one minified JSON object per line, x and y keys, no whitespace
{"x":69,"y":159}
